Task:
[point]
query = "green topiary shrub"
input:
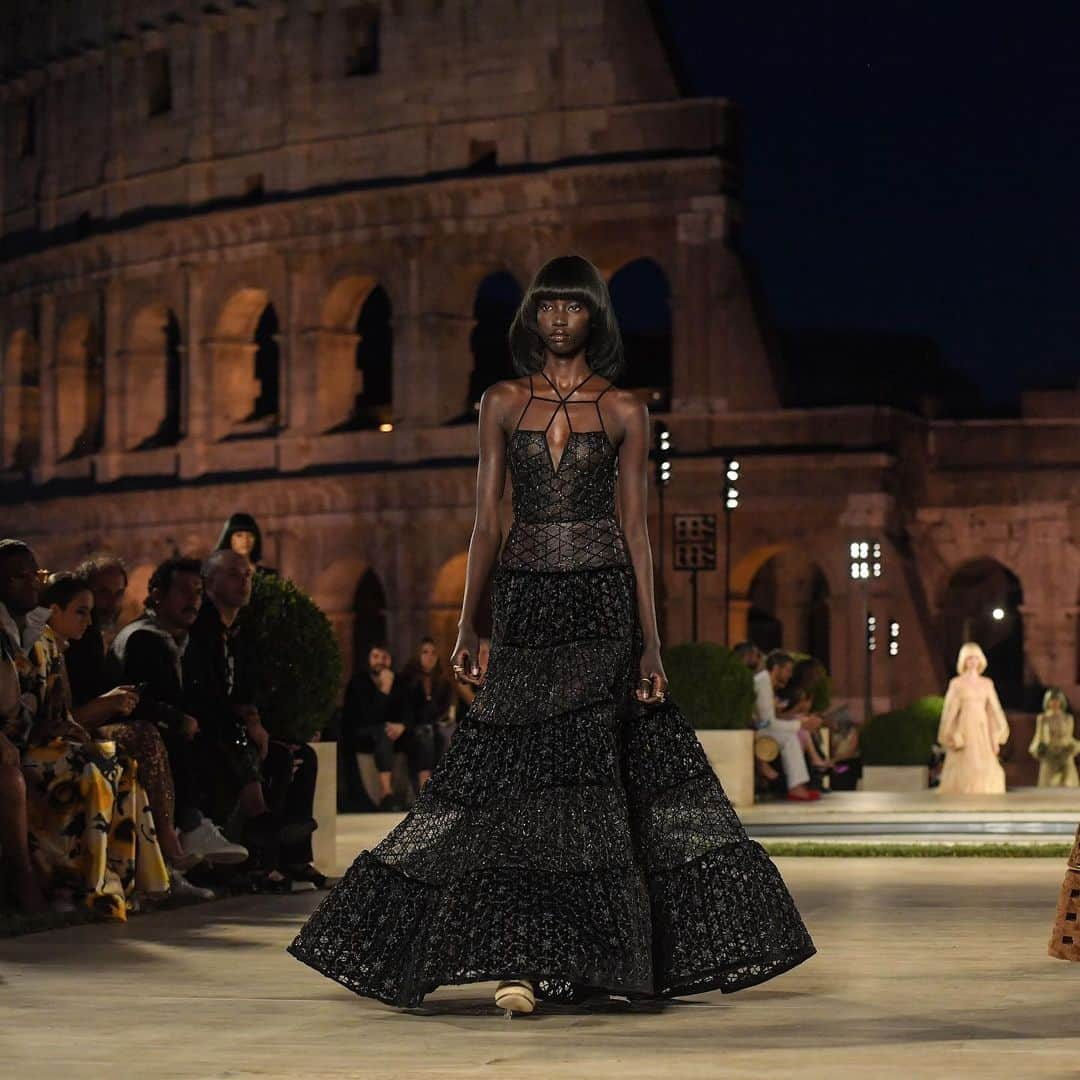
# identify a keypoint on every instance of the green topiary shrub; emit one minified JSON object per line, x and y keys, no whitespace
{"x":711,"y":687}
{"x":821,"y":687}
{"x":295,"y":656}
{"x":903,"y":736}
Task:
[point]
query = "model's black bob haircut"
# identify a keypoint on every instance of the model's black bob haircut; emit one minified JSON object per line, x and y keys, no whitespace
{"x":568,"y":277}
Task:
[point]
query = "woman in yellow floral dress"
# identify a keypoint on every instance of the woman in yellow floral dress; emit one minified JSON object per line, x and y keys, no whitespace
{"x":92,"y":835}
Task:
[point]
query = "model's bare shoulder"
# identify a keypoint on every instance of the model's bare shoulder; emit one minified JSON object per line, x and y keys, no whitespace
{"x":499,"y":399}
{"x":629,"y":410}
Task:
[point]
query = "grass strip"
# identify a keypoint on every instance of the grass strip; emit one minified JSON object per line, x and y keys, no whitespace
{"x":818,"y":849}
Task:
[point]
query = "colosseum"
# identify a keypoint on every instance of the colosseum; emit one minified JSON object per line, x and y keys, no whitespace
{"x":261,"y":254}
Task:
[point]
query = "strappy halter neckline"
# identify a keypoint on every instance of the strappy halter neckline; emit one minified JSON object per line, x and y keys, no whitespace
{"x":562,"y":403}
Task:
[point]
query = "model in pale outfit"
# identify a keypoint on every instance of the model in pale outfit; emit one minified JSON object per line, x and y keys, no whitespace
{"x":1055,"y":743}
{"x":973,"y":728}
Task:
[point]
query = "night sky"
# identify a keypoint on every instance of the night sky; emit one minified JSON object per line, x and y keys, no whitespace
{"x":911,"y":168}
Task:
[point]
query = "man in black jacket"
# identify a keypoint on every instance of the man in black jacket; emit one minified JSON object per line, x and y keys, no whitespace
{"x":147,"y":654}
{"x":265,"y":789}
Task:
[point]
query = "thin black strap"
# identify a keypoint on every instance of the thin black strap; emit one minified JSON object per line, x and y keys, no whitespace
{"x":563,"y":400}
{"x":596,"y":402}
{"x":532,"y":394}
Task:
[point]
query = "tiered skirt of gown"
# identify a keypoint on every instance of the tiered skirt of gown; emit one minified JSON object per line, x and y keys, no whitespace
{"x":571,"y":835}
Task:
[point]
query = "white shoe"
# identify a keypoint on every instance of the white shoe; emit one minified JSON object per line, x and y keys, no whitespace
{"x":182,"y":889}
{"x":209,"y":842}
{"x":515,"y":996}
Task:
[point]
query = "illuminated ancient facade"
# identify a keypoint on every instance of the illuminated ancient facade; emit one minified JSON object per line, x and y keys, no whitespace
{"x":260,"y":255}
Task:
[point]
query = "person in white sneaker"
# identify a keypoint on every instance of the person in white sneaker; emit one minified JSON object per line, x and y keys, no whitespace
{"x":148,"y":654}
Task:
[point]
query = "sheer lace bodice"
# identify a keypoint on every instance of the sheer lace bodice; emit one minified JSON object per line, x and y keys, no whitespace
{"x":564,"y":511}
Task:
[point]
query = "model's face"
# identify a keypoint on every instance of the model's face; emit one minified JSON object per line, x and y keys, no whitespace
{"x":109,"y":587}
{"x":72,"y":621}
{"x":378,"y":660}
{"x":19,"y":582}
{"x":971,"y":665}
{"x":428,"y":657}
{"x":1054,"y":705}
{"x":230,"y":583}
{"x":243,"y":543}
{"x":179,"y":604}
{"x":563,"y":326}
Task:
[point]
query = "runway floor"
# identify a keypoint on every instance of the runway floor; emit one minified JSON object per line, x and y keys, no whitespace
{"x":926,"y":968}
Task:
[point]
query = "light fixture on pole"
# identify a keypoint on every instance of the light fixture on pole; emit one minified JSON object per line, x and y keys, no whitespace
{"x":662,"y":456}
{"x":732,"y":471}
{"x":866,"y":566}
{"x":894,"y":637}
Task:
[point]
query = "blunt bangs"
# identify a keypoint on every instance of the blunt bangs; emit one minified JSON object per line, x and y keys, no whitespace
{"x":568,"y":277}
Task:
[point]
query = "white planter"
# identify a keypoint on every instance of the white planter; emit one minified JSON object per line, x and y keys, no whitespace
{"x":324,"y":842}
{"x":731,"y":755}
{"x":895,"y":778}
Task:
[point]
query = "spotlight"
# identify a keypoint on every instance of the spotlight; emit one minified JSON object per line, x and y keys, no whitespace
{"x":386,"y":427}
{"x":997,"y":614}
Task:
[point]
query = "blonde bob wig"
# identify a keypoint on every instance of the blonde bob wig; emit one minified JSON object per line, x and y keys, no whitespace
{"x":969,"y":648}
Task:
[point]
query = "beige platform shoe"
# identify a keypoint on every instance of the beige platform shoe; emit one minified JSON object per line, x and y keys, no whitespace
{"x":515,"y":996}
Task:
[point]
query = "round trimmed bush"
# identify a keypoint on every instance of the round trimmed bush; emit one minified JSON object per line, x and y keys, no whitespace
{"x":904,"y":736}
{"x":712,"y":688}
{"x":295,"y":658}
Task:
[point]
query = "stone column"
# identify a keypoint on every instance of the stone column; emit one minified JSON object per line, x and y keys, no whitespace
{"x":46,"y":467}
{"x":689,"y":307}
{"x":114,"y":357}
{"x":196,"y":388}
{"x":1049,"y":644}
{"x":200,"y":139}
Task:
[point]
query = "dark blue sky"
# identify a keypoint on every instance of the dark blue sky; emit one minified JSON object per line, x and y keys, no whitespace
{"x":910,"y":167}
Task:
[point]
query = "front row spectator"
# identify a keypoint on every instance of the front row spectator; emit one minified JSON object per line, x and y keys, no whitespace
{"x":91,"y":832}
{"x":787,"y":733}
{"x":148,"y":655}
{"x":262,"y":788}
{"x":373,"y":721}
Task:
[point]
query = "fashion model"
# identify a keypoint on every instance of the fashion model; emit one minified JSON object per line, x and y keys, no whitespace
{"x":973,"y":729}
{"x":574,"y":840}
{"x":1054,"y":744}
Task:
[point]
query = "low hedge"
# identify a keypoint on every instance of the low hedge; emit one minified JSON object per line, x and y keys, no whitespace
{"x":712,"y":687}
{"x":904,"y":736}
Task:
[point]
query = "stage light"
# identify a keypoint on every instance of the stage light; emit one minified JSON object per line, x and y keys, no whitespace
{"x":998,"y":614}
{"x":386,"y":427}
{"x":871,"y":633}
{"x":865,"y":559}
{"x":662,"y":439}
{"x":894,"y":638}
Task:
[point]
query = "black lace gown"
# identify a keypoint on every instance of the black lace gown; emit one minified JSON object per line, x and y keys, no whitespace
{"x":571,"y":835}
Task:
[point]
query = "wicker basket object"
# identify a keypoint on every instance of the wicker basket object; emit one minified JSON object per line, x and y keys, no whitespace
{"x":1065,"y":938}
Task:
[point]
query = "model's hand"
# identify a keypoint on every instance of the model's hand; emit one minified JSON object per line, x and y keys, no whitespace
{"x":464,"y":660}
{"x":652,"y":687}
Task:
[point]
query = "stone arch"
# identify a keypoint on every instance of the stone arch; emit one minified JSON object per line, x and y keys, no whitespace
{"x":153,"y":376}
{"x":246,"y":365}
{"x":787,"y":602}
{"x":339,"y":590}
{"x":354,"y":356}
{"x":981,"y":601}
{"x":80,"y":390}
{"x":447,"y":592}
{"x":497,"y":298}
{"x":641,"y":296}
{"x":20,"y":422}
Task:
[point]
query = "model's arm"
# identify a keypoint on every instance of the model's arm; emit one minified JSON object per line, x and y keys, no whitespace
{"x":998,"y":719}
{"x":633,"y":511}
{"x":945,"y":732}
{"x":1040,"y":737}
{"x":486,"y":534}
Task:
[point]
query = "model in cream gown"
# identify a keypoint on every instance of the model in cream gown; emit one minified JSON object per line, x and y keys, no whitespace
{"x":973,"y":728}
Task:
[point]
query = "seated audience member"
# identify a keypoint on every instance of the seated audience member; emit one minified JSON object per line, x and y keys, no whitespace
{"x":844,"y":750}
{"x":17,"y":875}
{"x":263,"y":789}
{"x":91,"y":833}
{"x":108,"y":715}
{"x":427,"y":699}
{"x":775,"y":675}
{"x":372,"y":721}
{"x":148,"y":655}
{"x":800,"y":707}
{"x":88,"y":673}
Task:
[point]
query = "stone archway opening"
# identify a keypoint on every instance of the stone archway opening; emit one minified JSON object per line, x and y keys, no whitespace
{"x":369,"y":615}
{"x":80,"y":390}
{"x":246,"y":366}
{"x":641,"y":297}
{"x":352,"y":596}
{"x":355,"y":355}
{"x":154,"y":377}
{"x":21,"y":419}
{"x":982,"y":602}
{"x":497,"y":298}
{"x":444,"y":608}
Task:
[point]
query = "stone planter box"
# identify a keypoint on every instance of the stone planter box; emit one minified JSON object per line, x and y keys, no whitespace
{"x":731,"y":755}
{"x":324,"y":842}
{"x":895,"y":778}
